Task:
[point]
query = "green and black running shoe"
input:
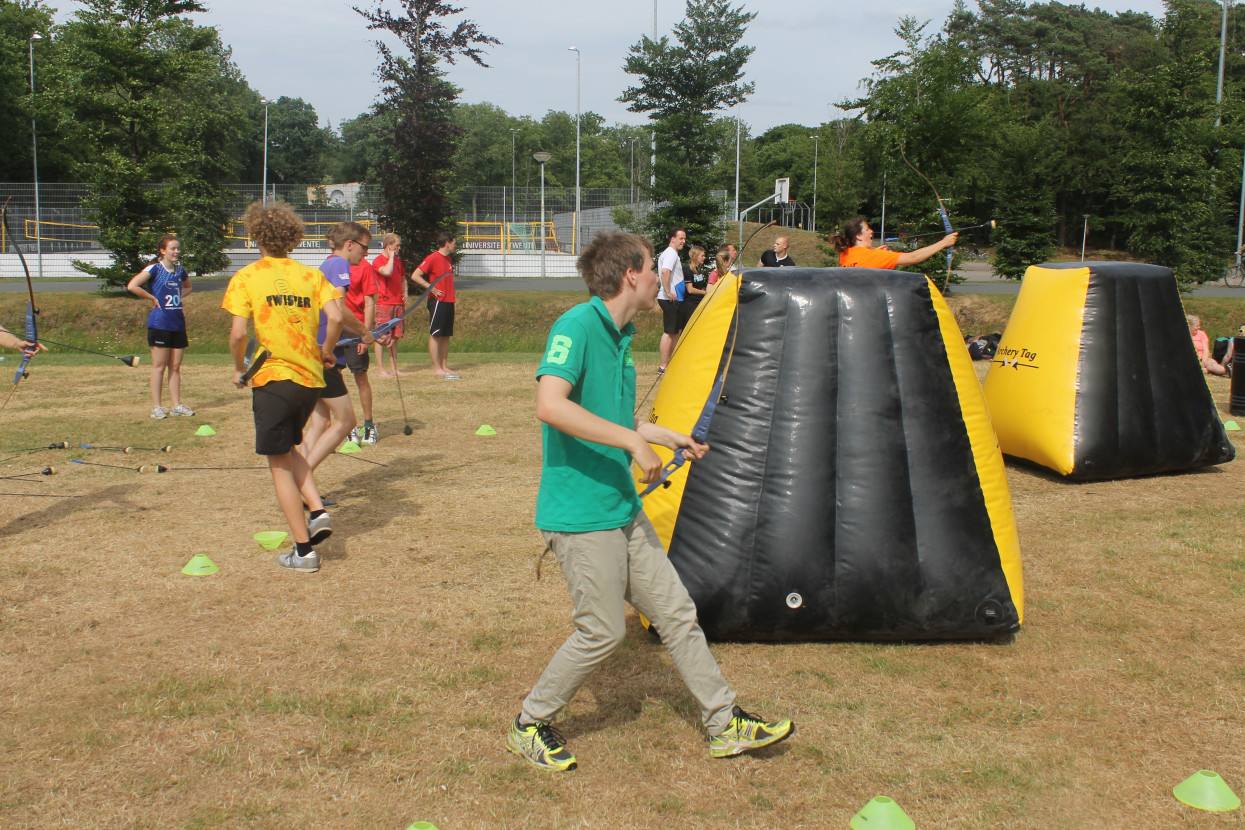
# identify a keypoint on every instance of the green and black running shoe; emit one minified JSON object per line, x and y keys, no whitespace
{"x":541,"y":746}
{"x":748,"y":732}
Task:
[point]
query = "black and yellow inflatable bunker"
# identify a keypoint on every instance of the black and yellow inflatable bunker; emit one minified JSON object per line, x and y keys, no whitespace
{"x":1097,"y":377}
{"x":854,"y":489}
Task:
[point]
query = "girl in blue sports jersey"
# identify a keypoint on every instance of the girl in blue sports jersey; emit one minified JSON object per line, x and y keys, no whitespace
{"x":166,"y":324}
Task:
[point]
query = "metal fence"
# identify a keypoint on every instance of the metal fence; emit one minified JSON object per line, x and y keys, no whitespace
{"x":500,"y":232}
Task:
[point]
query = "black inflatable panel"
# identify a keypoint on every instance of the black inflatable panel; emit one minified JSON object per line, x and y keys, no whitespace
{"x":1142,"y":406}
{"x":841,"y":499}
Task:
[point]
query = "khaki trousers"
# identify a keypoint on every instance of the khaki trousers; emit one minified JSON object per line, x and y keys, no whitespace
{"x":603,"y":569}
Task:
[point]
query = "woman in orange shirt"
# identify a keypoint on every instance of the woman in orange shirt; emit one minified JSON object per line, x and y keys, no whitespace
{"x":855,"y":247}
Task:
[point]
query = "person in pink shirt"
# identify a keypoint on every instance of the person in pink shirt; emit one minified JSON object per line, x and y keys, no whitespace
{"x":1201,"y":342}
{"x":391,"y":303}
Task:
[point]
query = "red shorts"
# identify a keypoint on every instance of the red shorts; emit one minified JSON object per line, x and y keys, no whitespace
{"x":391,"y":311}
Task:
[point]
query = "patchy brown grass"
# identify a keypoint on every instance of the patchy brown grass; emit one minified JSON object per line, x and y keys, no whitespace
{"x":378,"y":691}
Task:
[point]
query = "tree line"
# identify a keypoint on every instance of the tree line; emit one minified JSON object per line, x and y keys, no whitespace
{"x":1036,"y":115}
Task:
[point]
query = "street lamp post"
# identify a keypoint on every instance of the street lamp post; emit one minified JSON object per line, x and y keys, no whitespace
{"x":816,"y":145}
{"x":632,"y":141}
{"x":1223,"y":43}
{"x":652,"y":162}
{"x":738,"y":133}
{"x":575,"y":234}
{"x":264,"y":187}
{"x":34,"y":148}
{"x":541,"y":157}
{"x":882,"y":232}
{"x":513,"y":190}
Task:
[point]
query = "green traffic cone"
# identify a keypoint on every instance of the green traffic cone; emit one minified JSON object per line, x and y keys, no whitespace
{"x":1231,"y":426}
{"x":205,"y":430}
{"x":200,"y":565}
{"x":881,"y":813}
{"x":422,"y":825}
{"x":1205,"y":790}
{"x":349,"y":447}
{"x":486,"y":430}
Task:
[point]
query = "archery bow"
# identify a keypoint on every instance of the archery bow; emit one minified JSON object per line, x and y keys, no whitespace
{"x":942,"y":209}
{"x":32,"y":327}
{"x":992,"y":225}
{"x":389,"y":325}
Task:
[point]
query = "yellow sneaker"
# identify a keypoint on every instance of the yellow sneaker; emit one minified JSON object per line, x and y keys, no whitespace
{"x":541,"y":746}
{"x":748,"y":732}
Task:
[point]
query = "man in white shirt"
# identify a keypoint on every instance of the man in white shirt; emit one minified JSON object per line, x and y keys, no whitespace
{"x":670,"y":272}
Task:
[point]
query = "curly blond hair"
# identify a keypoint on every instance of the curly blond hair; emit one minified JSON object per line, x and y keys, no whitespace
{"x":274,"y":226}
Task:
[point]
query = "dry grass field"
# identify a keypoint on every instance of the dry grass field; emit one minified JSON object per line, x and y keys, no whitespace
{"x":378,"y":691}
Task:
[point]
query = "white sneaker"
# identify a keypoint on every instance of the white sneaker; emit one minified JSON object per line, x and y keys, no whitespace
{"x":354,"y":436}
{"x":320,"y":528}
{"x":307,"y":564}
{"x":159,"y":413}
{"x":181,"y":409}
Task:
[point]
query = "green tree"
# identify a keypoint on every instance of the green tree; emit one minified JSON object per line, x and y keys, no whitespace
{"x":483,"y":155}
{"x":148,"y":98}
{"x":1056,"y":66}
{"x":1022,"y":193}
{"x":297,"y":145}
{"x":926,"y":105}
{"x":416,"y":114}
{"x":841,"y":184}
{"x":1176,"y":214}
{"x":358,"y":155}
{"x":18,"y":21}
{"x":681,"y":85}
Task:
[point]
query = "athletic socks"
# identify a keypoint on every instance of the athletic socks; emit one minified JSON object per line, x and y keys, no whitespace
{"x":367,"y":423}
{"x":315,"y":514}
{"x":304,"y":548}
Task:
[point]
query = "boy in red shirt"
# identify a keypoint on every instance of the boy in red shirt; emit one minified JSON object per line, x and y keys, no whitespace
{"x":440,"y":301}
{"x":391,"y":303}
{"x":361,"y":302}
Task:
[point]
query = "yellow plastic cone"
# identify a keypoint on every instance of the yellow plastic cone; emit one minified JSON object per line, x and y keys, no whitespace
{"x":270,"y":539}
{"x":882,"y":813}
{"x":1231,"y":426}
{"x":349,"y":447}
{"x":422,"y":825}
{"x":486,"y":430}
{"x":205,"y":430}
{"x":1205,"y":790}
{"x":200,"y":565}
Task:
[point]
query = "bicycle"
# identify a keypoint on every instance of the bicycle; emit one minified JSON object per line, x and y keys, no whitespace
{"x":1234,"y":277}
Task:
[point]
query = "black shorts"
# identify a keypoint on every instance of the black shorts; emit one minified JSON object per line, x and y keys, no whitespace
{"x":440,"y":318}
{"x":356,"y":362}
{"x":670,"y":316}
{"x":165,"y":339}
{"x":281,"y":409}
{"x":687,"y":308}
{"x":334,"y":384}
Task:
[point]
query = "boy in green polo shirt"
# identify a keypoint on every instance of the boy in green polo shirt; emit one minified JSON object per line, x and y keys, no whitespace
{"x":592,"y":519}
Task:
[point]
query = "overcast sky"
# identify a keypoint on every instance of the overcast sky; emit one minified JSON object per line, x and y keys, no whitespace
{"x":810,"y":54}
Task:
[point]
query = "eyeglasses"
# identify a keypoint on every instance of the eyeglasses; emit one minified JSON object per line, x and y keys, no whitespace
{"x":363,"y":245}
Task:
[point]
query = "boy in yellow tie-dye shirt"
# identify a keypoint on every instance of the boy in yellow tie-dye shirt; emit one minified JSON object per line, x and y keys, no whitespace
{"x":285,"y":298}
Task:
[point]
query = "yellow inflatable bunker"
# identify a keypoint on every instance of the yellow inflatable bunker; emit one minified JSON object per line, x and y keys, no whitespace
{"x":854,"y":489}
{"x":1096,"y":375}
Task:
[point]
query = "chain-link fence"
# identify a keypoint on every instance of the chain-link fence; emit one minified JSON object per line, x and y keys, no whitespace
{"x":500,"y":231}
